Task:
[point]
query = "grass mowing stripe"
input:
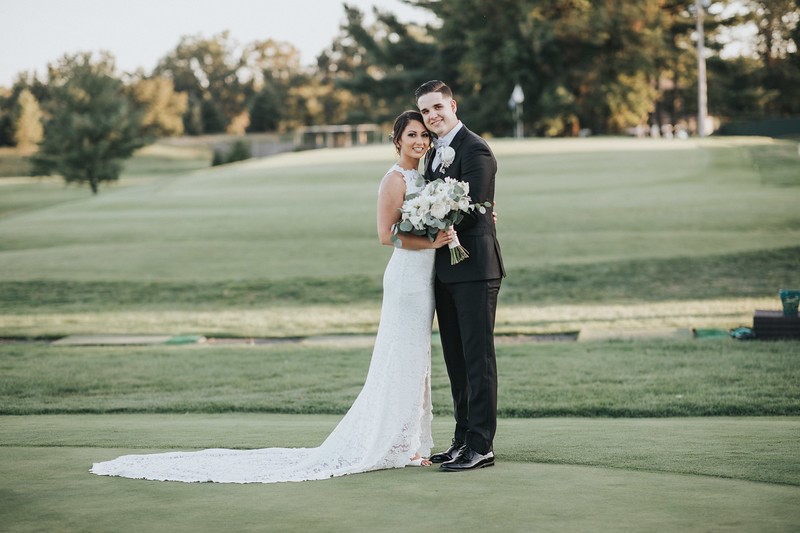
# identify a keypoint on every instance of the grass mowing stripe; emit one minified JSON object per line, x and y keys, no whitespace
{"x":311,"y":215}
{"x":282,"y":321}
{"x":756,"y":449}
{"x":50,"y":490}
{"x":750,"y":274}
{"x":616,"y":379}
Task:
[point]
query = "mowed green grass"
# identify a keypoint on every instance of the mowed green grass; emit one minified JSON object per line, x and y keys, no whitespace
{"x":312,"y":214}
{"x":676,"y":474}
{"x":597,"y":232}
{"x":13,"y":163}
{"x":20,"y":193}
{"x":592,"y":221}
{"x":577,"y":474}
{"x":643,"y":378}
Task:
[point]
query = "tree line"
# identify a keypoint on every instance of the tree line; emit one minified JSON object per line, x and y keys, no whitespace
{"x":584,"y":65}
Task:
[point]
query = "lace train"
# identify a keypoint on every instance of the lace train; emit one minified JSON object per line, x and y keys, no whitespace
{"x":389,"y":422}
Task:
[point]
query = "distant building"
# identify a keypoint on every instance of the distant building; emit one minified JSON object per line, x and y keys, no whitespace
{"x":338,"y":136}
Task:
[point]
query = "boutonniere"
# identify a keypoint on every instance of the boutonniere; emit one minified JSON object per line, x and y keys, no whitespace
{"x":448,"y":154}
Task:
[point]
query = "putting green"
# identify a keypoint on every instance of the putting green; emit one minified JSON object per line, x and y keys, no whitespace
{"x":45,"y":485}
{"x":55,"y":493}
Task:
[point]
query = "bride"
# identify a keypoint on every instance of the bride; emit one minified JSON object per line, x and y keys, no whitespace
{"x":389,"y":424}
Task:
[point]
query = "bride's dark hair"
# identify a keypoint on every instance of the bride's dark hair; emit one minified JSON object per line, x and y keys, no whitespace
{"x":400,"y":124}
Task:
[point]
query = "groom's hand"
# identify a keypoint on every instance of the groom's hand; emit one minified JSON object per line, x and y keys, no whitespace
{"x":494,"y":213}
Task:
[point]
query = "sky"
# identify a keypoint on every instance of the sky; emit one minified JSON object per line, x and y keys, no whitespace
{"x":138,"y":33}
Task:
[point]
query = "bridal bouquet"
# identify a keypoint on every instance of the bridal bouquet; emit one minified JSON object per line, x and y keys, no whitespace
{"x":440,"y":205}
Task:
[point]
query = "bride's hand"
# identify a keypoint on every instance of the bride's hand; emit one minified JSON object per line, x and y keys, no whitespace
{"x":443,"y":238}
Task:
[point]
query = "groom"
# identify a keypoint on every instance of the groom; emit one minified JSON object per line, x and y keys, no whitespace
{"x":466,"y":293}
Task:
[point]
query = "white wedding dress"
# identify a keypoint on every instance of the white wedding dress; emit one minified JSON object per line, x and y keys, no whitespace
{"x":387,"y":425}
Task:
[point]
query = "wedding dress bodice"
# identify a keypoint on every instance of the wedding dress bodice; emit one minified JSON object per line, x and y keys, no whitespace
{"x":414,"y":181}
{"x":388,"y":423}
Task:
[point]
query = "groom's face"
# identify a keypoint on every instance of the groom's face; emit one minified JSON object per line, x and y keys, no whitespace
{"x":438,"y":112}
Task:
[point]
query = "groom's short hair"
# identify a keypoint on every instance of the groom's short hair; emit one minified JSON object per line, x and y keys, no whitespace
{"x":433,"y":86}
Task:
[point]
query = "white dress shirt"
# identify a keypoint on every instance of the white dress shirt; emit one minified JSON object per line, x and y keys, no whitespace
{"x":442,"y":142}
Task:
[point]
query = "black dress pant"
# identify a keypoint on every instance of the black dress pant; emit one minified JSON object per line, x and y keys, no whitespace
{"x":466,"y":315}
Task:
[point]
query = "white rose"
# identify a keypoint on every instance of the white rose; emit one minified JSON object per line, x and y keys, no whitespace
{"x":438,"y":198}
{"x":439,"y":210}
{"x":415,"y":204}
{"x":448,"y":154}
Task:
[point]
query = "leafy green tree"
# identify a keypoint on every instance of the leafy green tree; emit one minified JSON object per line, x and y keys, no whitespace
{"x":213,"y":116}
{"x":271,"y":62}
{"x":6,"y":118}
{"x":596,"y":64}
{"x":777,"y":22}
{"x":370,"y":71}
{"x":482,"y":52}
{"x":209,"y":72}
{"x":732,"y":89}
{"x":616,"y":88}
{"x":265,"y":110}
{"x":9,"y":104}
{"x":778,"y":39}
{"x":193,"y":117}
{"x":275,"y":69}
{"x":161,"y":106}
{"x":238,"y":151}
{"x":676,"y":60}
{"x":318,"y":102}
{"x":92,"y":126}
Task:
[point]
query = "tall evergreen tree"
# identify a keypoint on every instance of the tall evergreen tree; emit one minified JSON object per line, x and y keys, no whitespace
{"x":777,"y":42}
{"x":6,"y":118}
{"x":265,"y":110}
{"x":596,"y":64}
{"x":482,"y":52}
{"x":28,"y":125}
{"x":371,"y":70}
{"x":9,"y":104}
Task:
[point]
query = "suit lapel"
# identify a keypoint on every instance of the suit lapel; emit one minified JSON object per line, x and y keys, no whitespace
{"x":459,"y":138}
{"x":428,"y":163}
{"x":454,"y":144}
{"x":431,"y":173}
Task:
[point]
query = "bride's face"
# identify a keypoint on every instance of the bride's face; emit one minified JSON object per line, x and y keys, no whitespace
{"x":415,"y":140}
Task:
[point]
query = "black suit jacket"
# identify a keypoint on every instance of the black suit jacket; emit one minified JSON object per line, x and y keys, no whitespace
{"x":475,"y":164}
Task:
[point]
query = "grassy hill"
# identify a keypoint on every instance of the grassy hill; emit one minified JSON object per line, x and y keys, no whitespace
{"x":604,"y":221}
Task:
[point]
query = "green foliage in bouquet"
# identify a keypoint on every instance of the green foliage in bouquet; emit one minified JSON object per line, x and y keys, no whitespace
{"x":438,"y":207}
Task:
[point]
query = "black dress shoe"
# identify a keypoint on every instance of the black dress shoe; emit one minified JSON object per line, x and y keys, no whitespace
{"x":469,"y":459}
{"x":449,"y":454}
